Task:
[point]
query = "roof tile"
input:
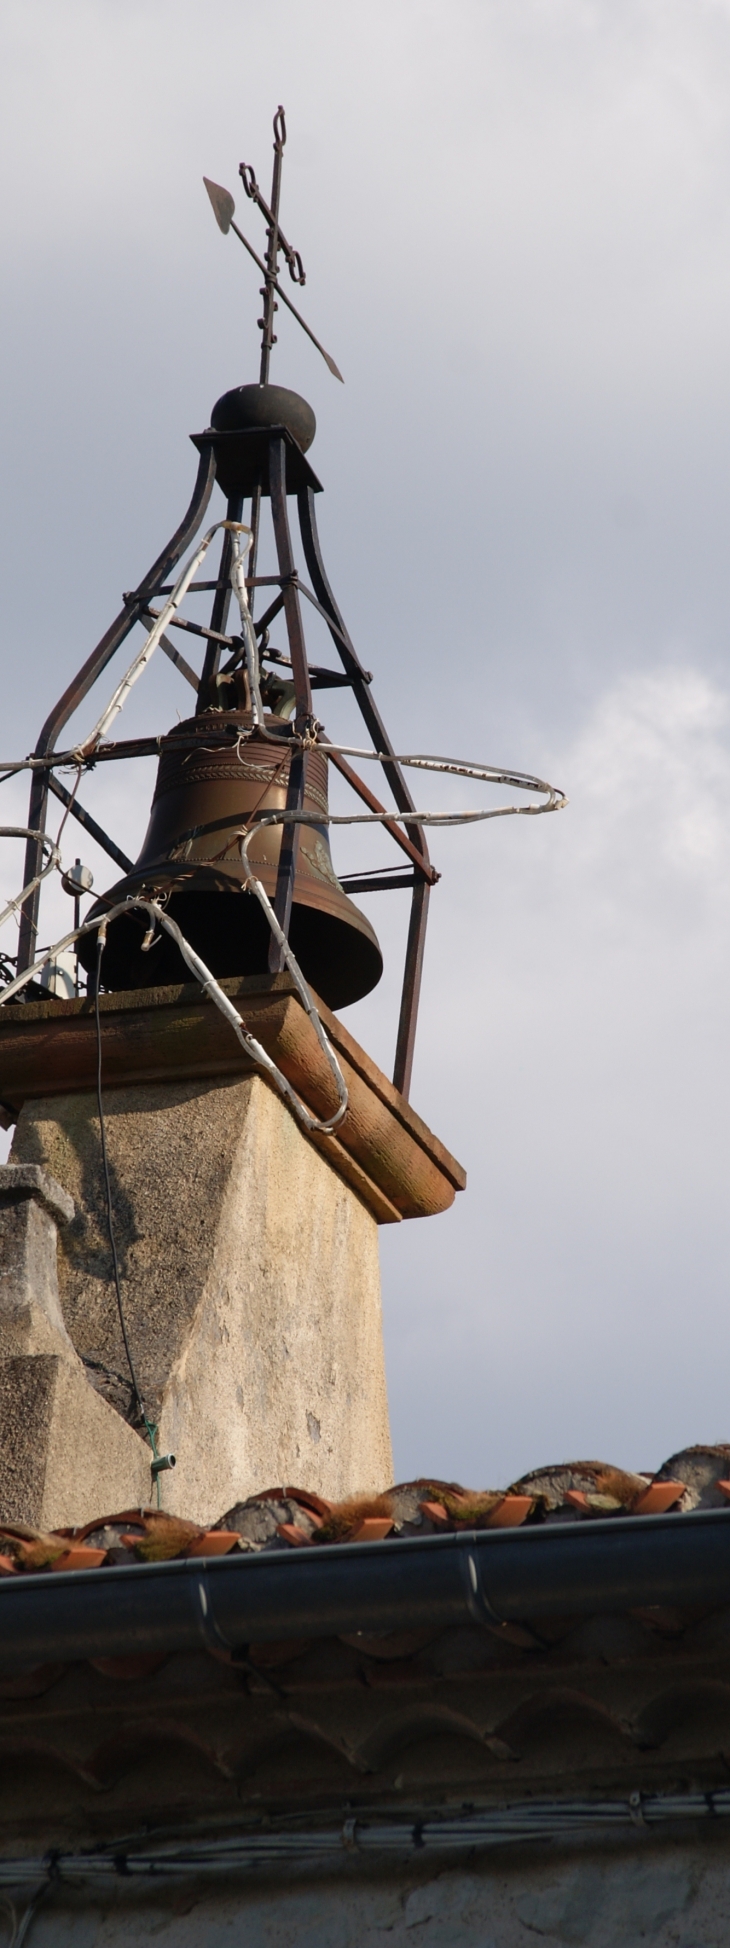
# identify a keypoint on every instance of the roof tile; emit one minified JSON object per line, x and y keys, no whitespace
{"x":288,"y":1517}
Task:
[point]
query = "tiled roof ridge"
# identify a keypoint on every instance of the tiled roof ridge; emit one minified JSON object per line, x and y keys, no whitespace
{"x":286,"y":1517}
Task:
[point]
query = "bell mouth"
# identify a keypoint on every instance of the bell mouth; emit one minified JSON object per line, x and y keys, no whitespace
{"x":339,"y":955}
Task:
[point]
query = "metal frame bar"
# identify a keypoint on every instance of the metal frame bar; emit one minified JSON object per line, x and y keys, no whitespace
{"x":74,"y":695}
{"x":410,"y":996}
{"x":375,"y":882}
{"x":412,"y":840}
{"x":291,"y":834}
{"x":221,"y":605}
{"x":423,"y":866}
{"x":89,"y":824}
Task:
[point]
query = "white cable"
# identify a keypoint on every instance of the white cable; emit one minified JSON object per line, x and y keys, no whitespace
{"x":450,"y":767}
{"x":404,"y":818}
{"x":322,"y":1126}
{"x":239,"y":555}
{"x":556,"y":801}
{"x":493,"y":1826}
{"x":25,"y":832}
{"x":458,"y":768}
{"x":139,"y":663}
{"x":254,"y":885}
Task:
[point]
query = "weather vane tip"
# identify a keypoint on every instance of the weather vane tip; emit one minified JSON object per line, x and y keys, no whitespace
{"x":224,"y":208}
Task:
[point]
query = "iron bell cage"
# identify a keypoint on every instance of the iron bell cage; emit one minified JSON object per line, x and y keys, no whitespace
{"x":253,"y":755}
{"x":255,"y":449}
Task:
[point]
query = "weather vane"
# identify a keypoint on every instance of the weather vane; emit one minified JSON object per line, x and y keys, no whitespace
{"x":225,"y":209}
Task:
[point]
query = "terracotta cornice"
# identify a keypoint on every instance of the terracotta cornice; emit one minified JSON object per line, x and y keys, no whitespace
{"x":175,"y":1034}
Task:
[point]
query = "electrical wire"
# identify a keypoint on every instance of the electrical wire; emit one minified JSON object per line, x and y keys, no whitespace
{"x":101,"y":943}
{"x":555,"y":801}
{"x":149,"y":1425}
{"x":239,"y":555}
{"x":85,"y":750}
{"x":210,"y":986}
{"x":488,"y":774}
{"x":280,"y":1845}
{"x":23,"y":1926}
{"x":320,"y":1125}
{"x":54,"y":859}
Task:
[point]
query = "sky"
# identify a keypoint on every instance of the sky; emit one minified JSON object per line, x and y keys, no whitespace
{"x":515,"y":221}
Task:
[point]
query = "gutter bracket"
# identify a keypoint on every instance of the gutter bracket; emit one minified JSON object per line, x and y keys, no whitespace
{"x":213,"y":1638}
{"x":479,"y":1606}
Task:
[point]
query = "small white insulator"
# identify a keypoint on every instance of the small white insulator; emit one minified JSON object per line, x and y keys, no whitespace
{"x":79,"y":879}
{"x":58,"y":977}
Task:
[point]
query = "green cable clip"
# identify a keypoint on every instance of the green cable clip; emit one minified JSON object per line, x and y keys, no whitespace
{"x":159,"y":1462}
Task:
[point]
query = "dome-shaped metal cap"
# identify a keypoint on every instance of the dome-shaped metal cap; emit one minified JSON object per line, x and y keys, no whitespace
{"x":248,"y":408}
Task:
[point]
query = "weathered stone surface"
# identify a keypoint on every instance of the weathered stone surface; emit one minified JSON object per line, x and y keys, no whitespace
{"x":31,"y":1320}
{"x":250,"y":1281}
{"x":63,"y":1452}
{"x":671,"y":1895}
{"x":28,"y":1180}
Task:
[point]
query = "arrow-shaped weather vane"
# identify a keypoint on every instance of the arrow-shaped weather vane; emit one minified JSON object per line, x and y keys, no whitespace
{"x":224,"y":210}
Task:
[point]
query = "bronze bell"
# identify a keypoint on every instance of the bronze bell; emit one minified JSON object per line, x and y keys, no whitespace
{"x":206,"y":791}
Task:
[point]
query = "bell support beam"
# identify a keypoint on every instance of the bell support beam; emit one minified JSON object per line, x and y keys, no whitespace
{"x":350,"y":659}
{"x":300,"y":672}
{"x":422,"y":879}
{"x":87,"y":676}
{"x":423,"y":866}
{"x":96,"y":832}
{"x":221,"y":605}
{"x":292,"y":610}
{"x":411,"y":991}
{"x":272,"y":611}
{"x":405,"y":1041}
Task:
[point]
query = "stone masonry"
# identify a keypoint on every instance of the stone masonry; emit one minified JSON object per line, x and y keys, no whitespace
{"x":251,"y":1291}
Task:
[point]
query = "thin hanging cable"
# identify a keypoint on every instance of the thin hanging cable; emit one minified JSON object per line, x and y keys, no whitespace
{"x":54,"y":859}
{"x":141,"y":1409}
{"x":69,"y":807}
{"x":210,"y":986}
{"x":24,"y":1924}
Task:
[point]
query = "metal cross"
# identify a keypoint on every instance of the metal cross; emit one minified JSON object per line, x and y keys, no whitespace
{"x":224,"y":209}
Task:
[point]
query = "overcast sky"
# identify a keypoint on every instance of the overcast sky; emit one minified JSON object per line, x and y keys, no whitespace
{"x":515,"y":221}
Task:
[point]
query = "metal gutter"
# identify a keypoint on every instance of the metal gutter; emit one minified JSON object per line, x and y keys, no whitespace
{"x":225,"y":1603}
